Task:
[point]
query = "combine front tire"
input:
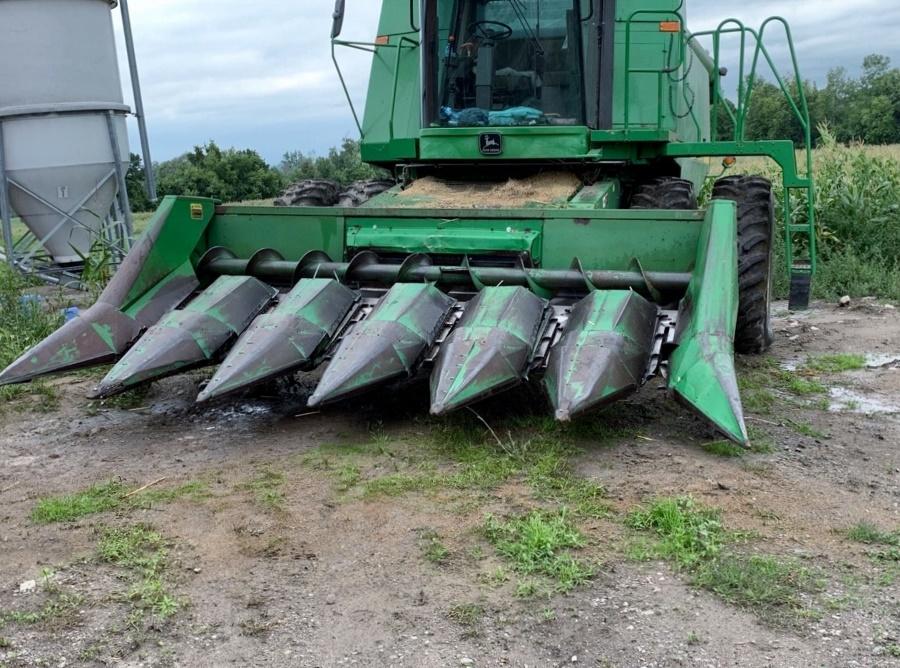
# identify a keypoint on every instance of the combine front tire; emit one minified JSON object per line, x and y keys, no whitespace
{"x":667,"y":193}
{"x":312,"y":192}
{"x":357,"y":194}
{"x":756,"y":227}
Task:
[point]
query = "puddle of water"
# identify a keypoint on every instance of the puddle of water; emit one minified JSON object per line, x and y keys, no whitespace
{"x":880,"y":360}
{"x":792,"y":364}
{"x":846,"y":400}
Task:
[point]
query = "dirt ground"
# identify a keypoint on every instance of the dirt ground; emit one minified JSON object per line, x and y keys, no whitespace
{"x":276,"y":556}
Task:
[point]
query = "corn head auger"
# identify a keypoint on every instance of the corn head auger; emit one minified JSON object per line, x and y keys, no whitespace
{"x":543,"y":225}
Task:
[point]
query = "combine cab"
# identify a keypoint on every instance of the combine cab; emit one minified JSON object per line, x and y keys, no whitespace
{"x":544,"y":227}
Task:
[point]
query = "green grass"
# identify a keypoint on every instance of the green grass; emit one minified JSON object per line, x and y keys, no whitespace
{"x":466,"y":614}
{"x":761,"y":380}
{"x":433,"y":548}
{"x":142,"y":552}
{"x":724,"y":449}
{"x":67,"y":508}
{"x":22,"y":325}
{"x":695,"y":539}
{"x":400,"y":484}
{"x":60,"y":610}
{"x":460,"y":455}
{"x":686,"y":532}
{"x":540,"y":543}
{"x":127,"y":401}
{"x":836,"y":363}
{"x":107,"y":496}
{"x":869,"y":534}
{"x":267,"y":489}
{"x":761,"y":582}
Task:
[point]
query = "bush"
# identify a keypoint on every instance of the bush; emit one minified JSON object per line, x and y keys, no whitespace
{"x":343,"y":165}
{"x":23,"y":322}
{"x":229,"y":175}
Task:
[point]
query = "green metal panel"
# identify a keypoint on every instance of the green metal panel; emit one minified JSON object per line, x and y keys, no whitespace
{"x":292,"y":337}
{"x":601,"y":195}
{"x":293,"y":232}
{"x":489,"y":350}
{"x":424,"y":235}
{"x":530,"y":143}
{"x":388,"y":345}
{"x":603,"y":354}
{"x":702,"y":372}
{"x":192,"y":336}
{"x":661,"y":240}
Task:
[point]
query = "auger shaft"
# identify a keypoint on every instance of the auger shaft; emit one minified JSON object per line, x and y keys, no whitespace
{"x":365,"y":268}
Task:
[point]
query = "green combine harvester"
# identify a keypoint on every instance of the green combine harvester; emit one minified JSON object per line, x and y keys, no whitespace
{"x":543,"y":225}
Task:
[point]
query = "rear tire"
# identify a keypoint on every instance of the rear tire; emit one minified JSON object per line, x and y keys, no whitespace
{"x":667,"y":193}
{"x":357,"y":194}
{"x":311,"y":192}
{"x":756,"y":229}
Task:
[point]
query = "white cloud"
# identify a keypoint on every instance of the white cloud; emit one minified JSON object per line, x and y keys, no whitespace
{"x":259,"y":74}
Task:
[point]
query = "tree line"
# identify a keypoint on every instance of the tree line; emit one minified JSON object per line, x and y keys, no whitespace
{"x":239,"y":175}
{"x":863,"y":109}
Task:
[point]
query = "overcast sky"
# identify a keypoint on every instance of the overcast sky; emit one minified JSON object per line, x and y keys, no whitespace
{"x":259,"y":74}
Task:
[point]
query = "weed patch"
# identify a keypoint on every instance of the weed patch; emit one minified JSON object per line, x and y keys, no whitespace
{"x":267,"y":489}
{"x":467,"y":615}
{"x":687,"y":533}
{"x":23,"y":321}
{"x":433,"y":548}
{"x":95,"y":499}
{"x":836,"y":363}
{"x":539,"y":543}
{"x":694,"y":538}
{"x":107,"y":496}
{"x":724,"y":449}
{"x":400,"y":484}
{"x":761,"y":582}
{"x":142,"y":552}
{"x":869,"y":534}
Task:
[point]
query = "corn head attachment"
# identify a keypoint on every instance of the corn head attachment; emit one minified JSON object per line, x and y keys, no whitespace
{"x":478,"y":326}
{"x":544,"y":227}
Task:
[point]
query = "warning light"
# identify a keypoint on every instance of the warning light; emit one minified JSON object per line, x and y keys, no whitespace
{"x":728,"y":162}
{"x":382,"y":40}
{"x":670,"y":26}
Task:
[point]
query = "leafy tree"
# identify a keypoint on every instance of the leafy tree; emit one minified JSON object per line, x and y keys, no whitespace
{"x":229,"y":175}
{"x":864,"y":109}
{"x":343,"y":165}
{"x":136,"y":185}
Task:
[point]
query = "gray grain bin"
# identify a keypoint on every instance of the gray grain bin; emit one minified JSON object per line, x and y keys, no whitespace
{"x":62,"y":119}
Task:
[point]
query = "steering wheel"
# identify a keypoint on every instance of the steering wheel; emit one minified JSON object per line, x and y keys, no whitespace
{"x":492,"y":31}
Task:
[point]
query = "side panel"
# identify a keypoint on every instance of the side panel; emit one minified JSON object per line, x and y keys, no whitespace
{"x":663,"y":241}
{"x":292,"y":232}
{"x":659,"y":240}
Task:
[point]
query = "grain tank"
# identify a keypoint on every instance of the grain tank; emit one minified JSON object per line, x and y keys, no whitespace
{"x":62,"y":120}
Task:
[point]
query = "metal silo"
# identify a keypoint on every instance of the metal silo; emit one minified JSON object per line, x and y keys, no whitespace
{"x":63,"y":137}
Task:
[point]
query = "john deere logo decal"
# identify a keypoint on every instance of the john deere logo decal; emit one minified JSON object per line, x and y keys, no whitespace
{"x":491,"y":143}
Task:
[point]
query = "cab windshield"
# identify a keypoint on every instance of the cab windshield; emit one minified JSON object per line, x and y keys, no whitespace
{"x":508,"y":63}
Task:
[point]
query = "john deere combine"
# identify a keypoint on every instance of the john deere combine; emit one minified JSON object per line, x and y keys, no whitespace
{"x":543,"y":225}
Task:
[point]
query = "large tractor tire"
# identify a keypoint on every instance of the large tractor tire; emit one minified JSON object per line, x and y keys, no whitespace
{"x":312,"y":192}
{"x":668,"y":193}
{"x":360,"y":192}
{"x":756,"y":230}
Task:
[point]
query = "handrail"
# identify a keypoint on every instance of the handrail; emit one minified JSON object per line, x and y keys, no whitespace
{"x":371,"y":47}
{"x":668,"y":70}
{"x":798,"y":105}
